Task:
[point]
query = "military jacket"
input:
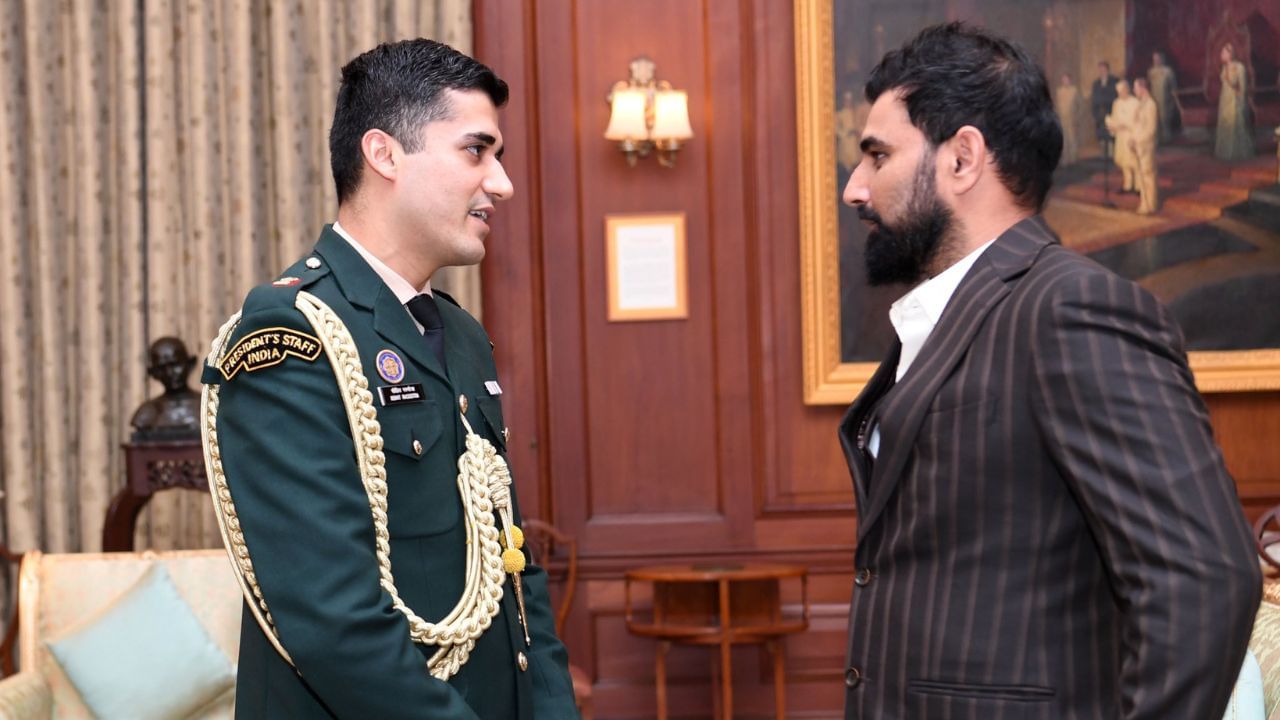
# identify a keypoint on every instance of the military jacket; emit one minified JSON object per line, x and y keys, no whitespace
{"x":288,"y":457}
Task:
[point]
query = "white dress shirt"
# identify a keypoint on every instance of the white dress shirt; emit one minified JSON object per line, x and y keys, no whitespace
{"x":915,"y":314}
{"x":403,"y":289}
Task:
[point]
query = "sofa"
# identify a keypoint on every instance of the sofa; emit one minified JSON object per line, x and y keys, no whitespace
{"x":75,"y":609}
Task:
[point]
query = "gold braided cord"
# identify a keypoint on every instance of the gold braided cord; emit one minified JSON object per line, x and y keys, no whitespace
{"x":228,"y":521}
{"x":483,"y":484}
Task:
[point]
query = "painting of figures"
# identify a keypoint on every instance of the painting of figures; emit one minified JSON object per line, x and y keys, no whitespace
{"x":1170,"y":112}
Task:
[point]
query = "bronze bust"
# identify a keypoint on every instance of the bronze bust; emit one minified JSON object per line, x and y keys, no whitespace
{"x":173,"y":415}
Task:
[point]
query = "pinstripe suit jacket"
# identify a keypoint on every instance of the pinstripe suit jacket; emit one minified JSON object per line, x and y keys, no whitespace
{"x":1049,"y":530}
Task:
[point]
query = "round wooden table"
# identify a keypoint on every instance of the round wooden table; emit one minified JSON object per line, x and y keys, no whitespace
{"x":719,"y":604}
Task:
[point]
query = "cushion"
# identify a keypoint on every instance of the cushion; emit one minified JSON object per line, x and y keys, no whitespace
{"x":1264,"y":643}
{"x":1246,"y":700}
{"x":145,"y":656}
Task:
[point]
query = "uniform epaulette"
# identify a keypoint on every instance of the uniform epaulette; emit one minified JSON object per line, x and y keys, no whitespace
{"x":283,"y":291}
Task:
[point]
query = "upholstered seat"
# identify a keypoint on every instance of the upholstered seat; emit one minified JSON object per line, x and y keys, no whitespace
{"x":59,"y":593}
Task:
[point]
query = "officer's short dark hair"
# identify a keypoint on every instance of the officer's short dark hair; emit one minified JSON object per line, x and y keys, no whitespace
{"x":955,"y":75}
{"x":397,"y":88}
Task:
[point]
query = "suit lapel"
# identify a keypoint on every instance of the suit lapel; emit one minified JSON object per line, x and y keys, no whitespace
{"x":364,"y":289}
{"x":880,"y":382}
{"x":984,"y":287}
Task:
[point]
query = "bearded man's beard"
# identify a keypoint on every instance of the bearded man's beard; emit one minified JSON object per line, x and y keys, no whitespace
{"x":903,"y":252}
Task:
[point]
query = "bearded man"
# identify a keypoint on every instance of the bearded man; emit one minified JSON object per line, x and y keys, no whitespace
{"x":1045,"y":525}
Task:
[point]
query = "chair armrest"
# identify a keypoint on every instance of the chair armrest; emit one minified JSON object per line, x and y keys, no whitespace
{"x":25,"y":696}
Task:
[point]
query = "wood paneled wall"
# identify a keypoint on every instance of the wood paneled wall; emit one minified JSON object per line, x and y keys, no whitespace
{"x":684,"y":440}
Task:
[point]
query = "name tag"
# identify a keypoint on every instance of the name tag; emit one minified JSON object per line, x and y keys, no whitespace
{"x":400,"y":394}
{"x":493,"y":387}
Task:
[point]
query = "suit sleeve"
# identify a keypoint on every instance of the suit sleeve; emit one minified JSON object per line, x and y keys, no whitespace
{"x":289,"y":460}
{"x":1128,"y":430}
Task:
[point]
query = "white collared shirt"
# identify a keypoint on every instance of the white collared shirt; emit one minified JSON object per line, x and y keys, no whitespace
{"x":403,"y":289}
{"x":915,"y":315}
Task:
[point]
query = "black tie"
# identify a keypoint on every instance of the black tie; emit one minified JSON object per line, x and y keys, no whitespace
{"x":423,"y":309}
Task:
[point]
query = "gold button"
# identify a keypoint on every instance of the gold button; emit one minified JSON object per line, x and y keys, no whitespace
{"x":417,"y":447}
{"x":506,"y":435}
{"x":462,"y":403}
{"x":522,"y":661}
{"x":313,"y":263}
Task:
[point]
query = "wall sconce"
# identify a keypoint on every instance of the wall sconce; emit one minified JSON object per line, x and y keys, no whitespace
{"x":647,"y":114}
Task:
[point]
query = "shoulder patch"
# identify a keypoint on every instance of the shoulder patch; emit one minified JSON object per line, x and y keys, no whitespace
{"x":266,"y":348}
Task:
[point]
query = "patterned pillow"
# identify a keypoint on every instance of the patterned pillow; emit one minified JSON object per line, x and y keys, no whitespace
{"x":1264,"y":643}
{"x":144,"y":656}
{"x":1247,"y":702}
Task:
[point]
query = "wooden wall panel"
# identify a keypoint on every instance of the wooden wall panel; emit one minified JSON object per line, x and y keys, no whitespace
{"x":1247,"y":426}
{"x":805,"y":467}
{"x":685,"y":441}
{"x":513,"y":315}
{"x":658,"y":375}
{"x":675,"y":482}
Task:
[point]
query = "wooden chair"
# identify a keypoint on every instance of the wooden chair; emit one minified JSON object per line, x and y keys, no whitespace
{"x":1266,"y":533}
{"x":10,"y":642}
{"x":544,"y":540}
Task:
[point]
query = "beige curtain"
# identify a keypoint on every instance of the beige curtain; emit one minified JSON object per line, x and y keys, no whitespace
{"x":161,"y":158}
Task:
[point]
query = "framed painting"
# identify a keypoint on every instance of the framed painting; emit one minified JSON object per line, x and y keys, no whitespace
{"x":1210,"y":252}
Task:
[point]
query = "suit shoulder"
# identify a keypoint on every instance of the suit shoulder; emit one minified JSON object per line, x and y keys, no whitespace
{"x":1071,"y":292}
{"x":1065,"y":273}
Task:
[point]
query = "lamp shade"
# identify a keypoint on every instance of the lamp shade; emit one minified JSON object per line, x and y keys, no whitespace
{"x":626,"y":121}
{"x":671,"y":115}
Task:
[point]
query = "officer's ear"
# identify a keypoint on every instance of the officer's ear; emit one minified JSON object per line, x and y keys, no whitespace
{"x":382,"y":153}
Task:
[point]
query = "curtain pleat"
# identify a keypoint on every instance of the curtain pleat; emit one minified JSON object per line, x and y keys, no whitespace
{"x":161,"y":157}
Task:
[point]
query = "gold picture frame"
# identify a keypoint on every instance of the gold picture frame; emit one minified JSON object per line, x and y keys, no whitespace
{"x":827,"y":379}
{"x":663,"y":224}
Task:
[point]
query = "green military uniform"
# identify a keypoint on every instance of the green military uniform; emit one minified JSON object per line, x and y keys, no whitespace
{"x":286,"y":448}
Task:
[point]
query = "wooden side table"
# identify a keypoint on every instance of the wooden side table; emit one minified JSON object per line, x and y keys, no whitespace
{"x":719,"y":605}
{"x":150,"y":467}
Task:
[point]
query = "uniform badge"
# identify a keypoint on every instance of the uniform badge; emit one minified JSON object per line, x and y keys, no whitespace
{"x":266,"y":348}
{"x":391,"y":395}
{"x":390,"y":366}
{"x":287,"y":282}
